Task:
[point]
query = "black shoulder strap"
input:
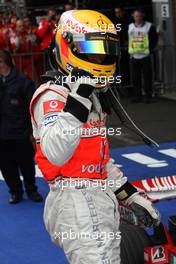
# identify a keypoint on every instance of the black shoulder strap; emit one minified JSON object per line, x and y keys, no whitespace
{"x":56,"y":76}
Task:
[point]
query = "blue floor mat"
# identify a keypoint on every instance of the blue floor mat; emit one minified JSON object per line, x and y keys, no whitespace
{"x":23,"y":237}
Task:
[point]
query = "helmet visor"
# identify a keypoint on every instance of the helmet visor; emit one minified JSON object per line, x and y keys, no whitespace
{"x":96,"y":44}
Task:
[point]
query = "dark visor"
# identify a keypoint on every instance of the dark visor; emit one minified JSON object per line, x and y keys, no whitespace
{"x":96,"y":43}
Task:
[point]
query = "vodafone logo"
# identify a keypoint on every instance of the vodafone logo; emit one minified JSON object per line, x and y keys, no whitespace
{"x":93,"y":168}
{"x":54,"y":104}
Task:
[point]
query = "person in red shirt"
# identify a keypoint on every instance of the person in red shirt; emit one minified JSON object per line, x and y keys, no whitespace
{"x":37,"y":56}
{"x":29,"y":28}
{"x":46,"y":29}
{"x":13,"y":21}
{"x":17,"y":38}
{"x":3,"y":39}
{"x":21,"y":44}
{"x":3,"y":32}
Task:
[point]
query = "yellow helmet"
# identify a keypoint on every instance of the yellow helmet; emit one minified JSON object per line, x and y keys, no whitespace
{"x":88,"y":40}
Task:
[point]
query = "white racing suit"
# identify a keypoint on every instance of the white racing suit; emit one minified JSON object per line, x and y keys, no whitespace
{"x":84,"y":221}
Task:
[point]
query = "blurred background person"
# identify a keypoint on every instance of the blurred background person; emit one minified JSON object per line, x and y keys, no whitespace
{"x":37,"y":63}
{"x":68,"y":6}
{"x":13,"y":20}
{"x":29,"y":28}
{"x":58,"y":15}
{"x":46,"y":32}
{"x":16,"y":150}
{"x":22,"y":42}
{"x":46,"y":29}
{"x":142,"y":42}
{"x":3,"y":38}
{"x":120,"y":18}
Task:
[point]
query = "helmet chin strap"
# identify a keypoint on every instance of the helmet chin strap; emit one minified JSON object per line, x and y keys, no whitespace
{"x":123,"y":116}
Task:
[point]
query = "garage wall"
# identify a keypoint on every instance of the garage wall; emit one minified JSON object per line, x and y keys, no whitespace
{"x":166,"y":24}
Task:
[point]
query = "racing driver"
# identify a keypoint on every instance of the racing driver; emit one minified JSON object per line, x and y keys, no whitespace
{"x":68,"y":115}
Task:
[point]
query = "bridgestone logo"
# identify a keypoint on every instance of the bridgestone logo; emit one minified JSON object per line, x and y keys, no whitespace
{"x":158,"y":254}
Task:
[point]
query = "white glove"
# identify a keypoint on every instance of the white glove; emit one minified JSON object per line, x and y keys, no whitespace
{"x":144,"y":210}
{"x":115,"y":178}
